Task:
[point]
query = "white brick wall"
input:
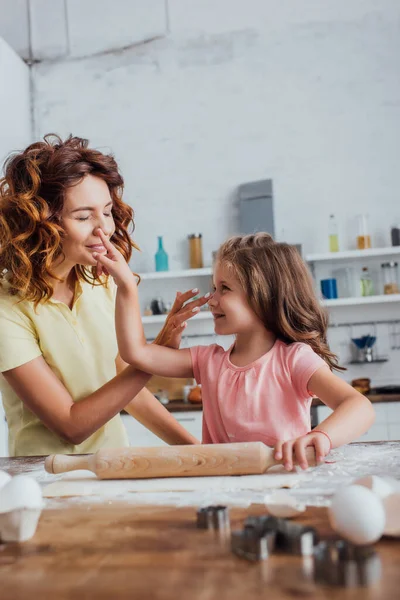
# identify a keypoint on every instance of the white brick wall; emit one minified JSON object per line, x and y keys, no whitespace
{"x":314,"y":105}
{"x":302,"y":91}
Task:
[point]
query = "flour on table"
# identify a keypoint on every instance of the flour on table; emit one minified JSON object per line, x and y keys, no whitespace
{"x":83,"y":483}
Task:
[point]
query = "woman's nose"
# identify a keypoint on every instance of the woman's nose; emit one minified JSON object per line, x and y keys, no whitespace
{"x":105,"y":225}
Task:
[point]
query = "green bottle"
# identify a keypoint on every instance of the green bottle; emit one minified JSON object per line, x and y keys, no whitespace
{"x":161,"y":256}
{"x":367,"y":286}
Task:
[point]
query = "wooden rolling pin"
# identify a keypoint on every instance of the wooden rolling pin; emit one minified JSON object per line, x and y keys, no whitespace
{"x":244,"y":458}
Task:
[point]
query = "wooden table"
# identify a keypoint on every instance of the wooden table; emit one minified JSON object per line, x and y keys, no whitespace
{"x":117,"y":550}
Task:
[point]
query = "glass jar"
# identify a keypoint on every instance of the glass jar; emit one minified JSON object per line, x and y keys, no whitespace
{"x":363,"y":237}
{"x":390,"y":280}
{"x":195,"y":251}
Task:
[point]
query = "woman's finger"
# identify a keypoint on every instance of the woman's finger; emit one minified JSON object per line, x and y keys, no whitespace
{"x":180,"y":299}
{"x":199,"y":302}
{"x":109,"y":246}
{"x":184,"y":315}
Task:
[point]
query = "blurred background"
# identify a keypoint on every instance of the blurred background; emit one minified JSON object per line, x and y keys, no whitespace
{"x":230,"y":116}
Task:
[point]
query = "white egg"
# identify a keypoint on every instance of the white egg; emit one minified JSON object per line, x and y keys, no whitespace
{"x":380,"y":486}
{"x":282,"y":504}
{"x":357,"y":514}
{"x":4,"y":478}
{"x":392,"y":509}
{"x":20,"y":492}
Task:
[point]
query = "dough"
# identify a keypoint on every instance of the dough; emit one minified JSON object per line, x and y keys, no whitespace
{"x":83,"y":483}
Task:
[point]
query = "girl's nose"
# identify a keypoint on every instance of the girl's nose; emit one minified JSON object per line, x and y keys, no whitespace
{"x":213,"y":301}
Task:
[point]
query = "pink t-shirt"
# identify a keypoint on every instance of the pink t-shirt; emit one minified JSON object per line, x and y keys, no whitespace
{"x":265,"y":401}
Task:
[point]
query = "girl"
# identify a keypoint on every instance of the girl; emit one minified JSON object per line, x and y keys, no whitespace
{"x":261,"y":388}
{"x":63,"y":385}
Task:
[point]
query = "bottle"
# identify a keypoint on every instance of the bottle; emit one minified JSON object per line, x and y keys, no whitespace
{"x":363,"y":238}
{"x":367,"y":286}
{"x":195,"y":251}
{"x":395,"y":235}
{"x":389,"y":271}
{"x":161,"y":257}
{"x":333,"y":234}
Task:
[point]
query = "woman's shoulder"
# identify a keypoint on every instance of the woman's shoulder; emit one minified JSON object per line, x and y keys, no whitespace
{"x":9,"y":302}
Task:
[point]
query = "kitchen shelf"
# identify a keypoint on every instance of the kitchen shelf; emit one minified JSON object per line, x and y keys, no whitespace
{"x":350,"y":254}
{"x":206,"y":271}
{"x":205,"y":315}
{"x":381,"y":359}
{"x":161,"y":318}
{"x":383,"y":299}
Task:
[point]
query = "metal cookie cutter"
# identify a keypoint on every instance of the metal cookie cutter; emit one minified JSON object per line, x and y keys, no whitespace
{"x":213,"y":517}
{"x":295,"y":538}
{"x":341,"y":563}
{"x":256,"y":540}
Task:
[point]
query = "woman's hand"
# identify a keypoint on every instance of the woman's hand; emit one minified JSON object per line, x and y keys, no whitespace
{"x":176,"y":322}
{"x":113,"y":263}
{"x":295,"y":450}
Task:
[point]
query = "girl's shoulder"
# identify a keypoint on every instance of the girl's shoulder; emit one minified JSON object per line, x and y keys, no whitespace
{"x":297,"y":351}
{"x":212,"y":350}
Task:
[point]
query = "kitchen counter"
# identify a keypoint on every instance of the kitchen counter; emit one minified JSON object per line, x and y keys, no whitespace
{"x":115,"y":549}
{"x":180,"y":406}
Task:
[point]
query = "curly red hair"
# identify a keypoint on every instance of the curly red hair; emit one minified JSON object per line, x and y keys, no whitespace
{"x":32,"y":194}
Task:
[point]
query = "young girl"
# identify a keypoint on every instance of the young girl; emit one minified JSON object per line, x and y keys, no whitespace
{"x":260,"y":389}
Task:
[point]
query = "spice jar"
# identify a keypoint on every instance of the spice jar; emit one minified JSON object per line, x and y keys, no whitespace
{"x":389,"y":272}
{"x":195,"y":251}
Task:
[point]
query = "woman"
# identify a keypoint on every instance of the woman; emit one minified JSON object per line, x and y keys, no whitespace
{"x":63,"y":384}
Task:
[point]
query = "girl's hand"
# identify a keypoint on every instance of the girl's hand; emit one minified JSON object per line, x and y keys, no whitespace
{"x":171,"y":334}
{"x":113,"y":263}
{"x":295,"y":449}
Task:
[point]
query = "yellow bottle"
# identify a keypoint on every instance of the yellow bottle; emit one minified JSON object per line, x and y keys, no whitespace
{"x":333,"y":235}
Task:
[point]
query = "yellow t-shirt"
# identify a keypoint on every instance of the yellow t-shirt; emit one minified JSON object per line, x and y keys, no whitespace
{"x":80,"y":347}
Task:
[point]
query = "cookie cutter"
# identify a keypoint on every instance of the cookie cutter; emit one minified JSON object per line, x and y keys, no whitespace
{"x":263,"y":535}
{"x":341,"y":563}
{"x":294,"y":538}
{"x":256,"y":541}
{"x":213,"y":517}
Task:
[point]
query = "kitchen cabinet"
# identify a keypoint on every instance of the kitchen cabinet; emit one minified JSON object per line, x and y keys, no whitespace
{"x":386,"y":426}
{"x":140,"y":436}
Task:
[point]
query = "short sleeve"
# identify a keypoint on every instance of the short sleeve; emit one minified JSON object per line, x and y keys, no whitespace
{"x":201,"y":357}
{"x":304,"y":362}
{"x":194,"y":353}
{"x":18,"y":339}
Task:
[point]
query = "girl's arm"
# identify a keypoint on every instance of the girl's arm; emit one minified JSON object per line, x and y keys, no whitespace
{"x":132,"y":344}
{"x":145,"y":408}
{"x":353,"y":414}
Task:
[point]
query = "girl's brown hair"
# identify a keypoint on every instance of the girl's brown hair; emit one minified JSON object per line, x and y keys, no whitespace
{"x":280,"y":290}
{"x":32,"y":194}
